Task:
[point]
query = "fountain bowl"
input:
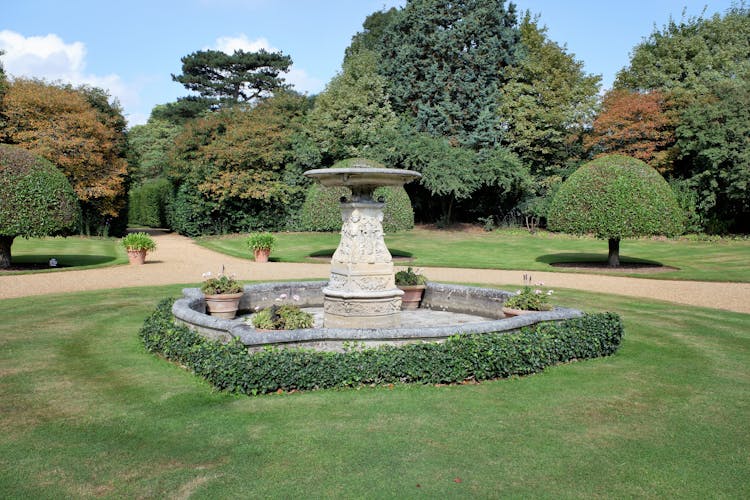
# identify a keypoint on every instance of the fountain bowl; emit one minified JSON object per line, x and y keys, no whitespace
{"x":484,"y":304}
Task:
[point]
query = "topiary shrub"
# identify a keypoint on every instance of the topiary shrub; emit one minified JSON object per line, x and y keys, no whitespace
{"x":36,"y":199}
{"x":321,"y":212}
{"x":232,"y":368}
{"x":615,"y":197}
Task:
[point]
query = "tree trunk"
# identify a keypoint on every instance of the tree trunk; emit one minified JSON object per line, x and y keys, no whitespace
{"x":614,"y":252}
{"x":5,"y":243}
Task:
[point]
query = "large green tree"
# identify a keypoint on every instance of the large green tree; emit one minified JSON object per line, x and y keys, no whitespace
{"x":444,"y":62}
{"x":238,"y":77}
{"x":36,"y":199}
{"x":148,"y":148}
{"x":353,"y":113}
{"x":546,"y":103}
{"x":691,"y":54}
{"x":713,"y":140}
{"x":615,"y":197}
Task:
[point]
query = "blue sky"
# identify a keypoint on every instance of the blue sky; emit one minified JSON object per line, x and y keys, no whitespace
{"x":132,"y":47}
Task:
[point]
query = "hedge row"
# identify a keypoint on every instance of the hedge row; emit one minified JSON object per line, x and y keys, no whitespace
{"x":149,"y":204}
{"x":470,"y":357}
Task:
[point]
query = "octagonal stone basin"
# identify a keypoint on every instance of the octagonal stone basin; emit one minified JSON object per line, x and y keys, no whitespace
{"x":483,"y":304}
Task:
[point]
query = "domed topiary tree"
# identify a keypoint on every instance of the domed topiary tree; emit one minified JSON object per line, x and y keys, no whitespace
{"x":615,"y":197}
{"x":36,"y":199}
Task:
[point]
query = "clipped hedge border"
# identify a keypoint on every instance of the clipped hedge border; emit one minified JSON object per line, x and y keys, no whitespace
{"x":468,"y":357}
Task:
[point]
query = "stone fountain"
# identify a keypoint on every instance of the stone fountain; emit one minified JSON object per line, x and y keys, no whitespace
{"x":361,"y":292}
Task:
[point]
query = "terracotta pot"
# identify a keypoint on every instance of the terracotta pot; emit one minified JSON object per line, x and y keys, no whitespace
{"x":261,"y":254}
{"x":137,"y":257}
{"x":412,"y":296}
{"x":223,"y":305}
{"x":510,"y":312}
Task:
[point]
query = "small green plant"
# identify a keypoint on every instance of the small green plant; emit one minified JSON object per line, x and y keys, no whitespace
{"x":220,"y":284}
{"x":282,"y":317}
{"x":139,"y":241}
{"x":261,"y":241}
{"x":530,"y":298}
{"x":410,"y":278}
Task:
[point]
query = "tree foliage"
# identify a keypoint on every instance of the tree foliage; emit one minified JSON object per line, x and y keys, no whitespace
{"x":444,"y":60}
{"x":148,"y":148}
{"x":238,"y":77}
{"x":691,"y":54}
{"x":615,"y":197}
{"x":353,"y":113}
{"x":637,"y":124}
{"x":236,"y":168}
{"x":36,"y":199}
{"x":546,"y":102}
{"x":713,"y":140}
{"x":76,"y":131}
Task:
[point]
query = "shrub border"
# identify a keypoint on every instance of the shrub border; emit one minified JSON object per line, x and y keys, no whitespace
{"x":230,"y":367}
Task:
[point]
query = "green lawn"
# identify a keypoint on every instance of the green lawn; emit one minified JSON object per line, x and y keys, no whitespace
{"x":85,"y":412}
{"x":725,"y":260}
{"x":74,"y":251}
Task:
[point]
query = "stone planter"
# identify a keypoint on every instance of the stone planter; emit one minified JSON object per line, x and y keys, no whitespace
{"x":223,"y":305}
{"x":261,"y":254}
{"x":137,"y":257}
{"x":412,"y":296}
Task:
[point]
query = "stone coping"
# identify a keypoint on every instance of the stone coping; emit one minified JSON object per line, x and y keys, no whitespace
{"x":191,"y":311}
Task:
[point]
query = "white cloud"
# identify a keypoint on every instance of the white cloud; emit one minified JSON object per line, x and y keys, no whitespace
{"x":297,"y":77}
{"x":49,"y":57}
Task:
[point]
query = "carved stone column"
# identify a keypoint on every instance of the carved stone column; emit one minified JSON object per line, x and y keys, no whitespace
{"x":362,"y":292}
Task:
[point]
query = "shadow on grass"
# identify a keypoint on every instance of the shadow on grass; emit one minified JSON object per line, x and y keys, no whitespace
{"x":328,"y":253}
{"x":592,"y":258}
{"x":65,"y":260}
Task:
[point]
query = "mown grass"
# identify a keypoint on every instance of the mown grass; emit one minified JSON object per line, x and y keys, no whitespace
{"x":74,"y":251}
{"x":725,"y":260}
{"x":85,"y":412}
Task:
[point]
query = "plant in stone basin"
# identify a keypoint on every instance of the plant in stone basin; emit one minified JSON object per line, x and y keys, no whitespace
{"x":282,"y":316}
{"x":530,"y":298}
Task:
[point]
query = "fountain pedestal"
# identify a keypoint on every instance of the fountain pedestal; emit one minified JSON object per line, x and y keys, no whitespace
{"x":361,"y":292}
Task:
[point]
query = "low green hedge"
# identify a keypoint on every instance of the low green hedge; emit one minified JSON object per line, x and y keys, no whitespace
{"x":468,"y":357}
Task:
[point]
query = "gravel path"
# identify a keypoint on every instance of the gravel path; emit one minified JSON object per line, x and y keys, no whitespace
{"x":179,"y":260}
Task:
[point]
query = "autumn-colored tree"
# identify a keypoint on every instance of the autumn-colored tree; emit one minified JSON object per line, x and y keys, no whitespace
{"x":62,"y":125}
{"x":235,"y":167}
{"x":634,"y":124}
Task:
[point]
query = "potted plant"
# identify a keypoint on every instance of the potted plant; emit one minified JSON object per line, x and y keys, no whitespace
{"x":222,"y":294}
{"x":413,"y":285}
{"x":137,"y":245}
{"x":528,"y":299}
{"x":261,"y":245}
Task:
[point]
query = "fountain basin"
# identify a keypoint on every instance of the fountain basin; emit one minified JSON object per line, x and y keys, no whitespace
{"x":484,"y":304}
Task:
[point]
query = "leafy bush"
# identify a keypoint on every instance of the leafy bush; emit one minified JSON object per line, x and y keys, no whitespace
{"x":321,"y":212}
{"x":282,"y":317}
{"x":139,"y":241}
{"x":469,"y":357}
{"x":149,"y":203}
